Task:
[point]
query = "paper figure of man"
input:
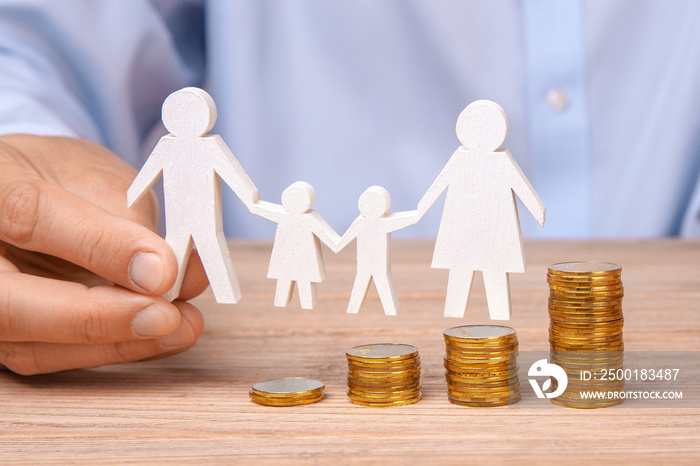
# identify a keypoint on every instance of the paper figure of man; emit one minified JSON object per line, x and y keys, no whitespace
{"x":480,"y":228}
{"x":193,"y":163}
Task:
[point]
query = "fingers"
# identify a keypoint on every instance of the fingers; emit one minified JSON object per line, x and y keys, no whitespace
{"x":42,"y":217}
{"x":40,"y":309}
{"x":41,"y":358}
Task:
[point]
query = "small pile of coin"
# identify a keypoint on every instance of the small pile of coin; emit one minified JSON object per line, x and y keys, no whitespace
{"x":585,"y":330}
{"x":383,"y":375}
{"x":292,"y":391}
{"x":481,"y":365}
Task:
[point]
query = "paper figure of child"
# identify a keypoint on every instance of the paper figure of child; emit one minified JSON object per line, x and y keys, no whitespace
{"x":296,"y":252}
{"x":480,"y":229}
{"x":193,"y":163}
{"x":372,"y":229}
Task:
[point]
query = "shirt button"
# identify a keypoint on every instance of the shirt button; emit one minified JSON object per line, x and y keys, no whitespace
{"x":557,"y":99}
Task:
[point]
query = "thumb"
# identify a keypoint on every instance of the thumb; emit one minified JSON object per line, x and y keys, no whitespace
{"x":42,"y":217}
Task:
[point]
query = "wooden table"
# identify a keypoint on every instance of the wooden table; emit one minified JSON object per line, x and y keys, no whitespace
{"x":195,"y":406}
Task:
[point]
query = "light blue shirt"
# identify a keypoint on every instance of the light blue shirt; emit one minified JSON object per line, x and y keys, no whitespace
{"x":602,"y":96}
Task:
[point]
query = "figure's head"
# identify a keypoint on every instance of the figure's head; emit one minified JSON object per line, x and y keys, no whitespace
{"x":189,"y":112}
{"x":482,"y":126}
{"x":298,"y":197}
{"x":374,"y":202}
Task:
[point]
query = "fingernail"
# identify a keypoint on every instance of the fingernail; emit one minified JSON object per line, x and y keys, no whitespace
{"x":152,"y":321}
{"x":146,"y":270}
{"x":182,"y":336}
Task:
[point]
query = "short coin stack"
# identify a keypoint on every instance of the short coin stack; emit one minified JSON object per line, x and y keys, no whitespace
{"x":585,"y":332}
{"x":384,"y":374}
{"x":481,"y":365}
{"x":293,"y":391}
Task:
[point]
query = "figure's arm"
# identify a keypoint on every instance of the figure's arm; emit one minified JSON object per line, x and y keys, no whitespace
{"x":398,"y":220}
{"x":438,"y":186}
{"x":268,"y":210}
{"x":522,"y":187}
{"x":349,"y":235}
{"x":231,"y":171}
{"x":150,"y":172}
{"x":324,"y":231}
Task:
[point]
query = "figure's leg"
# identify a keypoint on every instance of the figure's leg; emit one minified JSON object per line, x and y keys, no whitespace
{"x":387,"y":293}
{"x":182,"y":247}
{"x":283,"y":293}
{"x":359,"y":292}
{"x":459,"y":285}
{"x":216,"y":259}
{"x":307,"y":294}
{"x":497,"y":295}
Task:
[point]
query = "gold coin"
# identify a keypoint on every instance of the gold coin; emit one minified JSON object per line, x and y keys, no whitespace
{"x":563,"y":311}
{"x":485,"y":399}
{"x":485,"y":404}
{"x":371,"y":365}
{"x":484,"y":350}
{"x":583,"y":281}
{"x":384,"y":370}
{"x":577,"y":342}
{"x":475,"y":389}
{"x":480,"y":333}
{"x":586,"y":348}
{"x":486,"y":369}
{"x":584,"y":268}
{"x":288,"y":387}
{"x":587,"y":404}
{"x":581,"y":344}
{"x":382,"y":352}
{"x":585,"y":334}
{"x":389,"y":396}
{"x":592,"y":359}
{"x":583,"y":320}
{"x":485,"y":376}
{"x":586,"y":289}
{"x":390,"y":374}
{"x":468,"y":358}
{"x":385,"y":404}
{"x":583,"y":311}
{"x":383,"y":385}
{"x":590,"y":299}
{"x":582,"y":340}
{"x":283,"y":402}
{"x":583,"y":328}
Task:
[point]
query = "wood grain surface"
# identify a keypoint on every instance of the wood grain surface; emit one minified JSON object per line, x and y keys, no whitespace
{"x":195,"y":408}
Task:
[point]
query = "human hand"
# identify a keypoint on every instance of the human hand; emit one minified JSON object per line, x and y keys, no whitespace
{"x":80,"y":274}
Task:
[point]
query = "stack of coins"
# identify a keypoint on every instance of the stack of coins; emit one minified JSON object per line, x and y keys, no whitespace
{"x":293,"y":391}
{"x":383,"y":375}
{"x":585,"y":331}
{"x":481,"y":365}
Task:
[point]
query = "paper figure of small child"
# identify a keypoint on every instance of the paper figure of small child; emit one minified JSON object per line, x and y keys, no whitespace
{"x":193,"y":163}
{"x":480,"y":228}
{"x":372,"y":229}
{"x":296,"y":252}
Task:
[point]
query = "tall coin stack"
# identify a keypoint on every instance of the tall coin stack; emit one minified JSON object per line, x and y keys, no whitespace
{"x":585,"y":330}
{"x":383,"y":375}
{"x":481,"y":365}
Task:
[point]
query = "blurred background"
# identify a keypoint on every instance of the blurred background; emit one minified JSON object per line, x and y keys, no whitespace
{"x":602,"y":96}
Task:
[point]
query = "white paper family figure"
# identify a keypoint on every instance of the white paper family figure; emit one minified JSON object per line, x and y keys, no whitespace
{"x":480,"y":228}
{"x":193,"y":163}
{"x":372,"y":229}
{"x":296,"y":253}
